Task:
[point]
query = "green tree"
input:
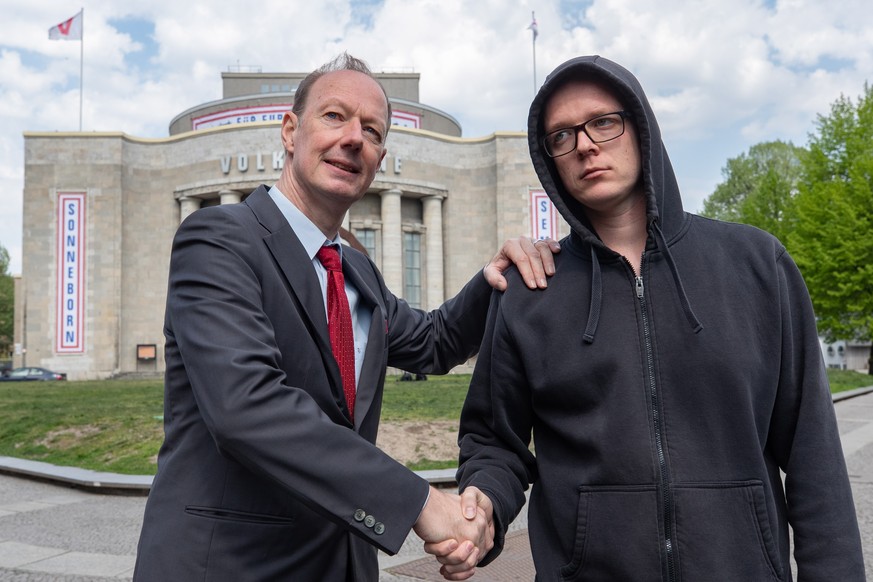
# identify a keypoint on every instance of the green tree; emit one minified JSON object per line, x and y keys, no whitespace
{"x":7,"y":304}
{"x":832,"y":238}
{"x":758,"y":187}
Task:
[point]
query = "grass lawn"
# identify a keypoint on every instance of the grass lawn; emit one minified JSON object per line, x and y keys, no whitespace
{"x":109,"y":425}
{"x":842,"y":380}
{"x":116,"y":425}
{"x":439,"y":398}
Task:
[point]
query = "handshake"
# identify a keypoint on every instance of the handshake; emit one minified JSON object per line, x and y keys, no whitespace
{"x":457,"y":529}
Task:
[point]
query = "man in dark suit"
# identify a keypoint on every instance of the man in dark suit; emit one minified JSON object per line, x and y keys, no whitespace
{"x":269,"y":470}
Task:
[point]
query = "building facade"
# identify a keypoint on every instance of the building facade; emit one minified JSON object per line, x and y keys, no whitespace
{"x":101,"y":209}
{"x":846,"y":355}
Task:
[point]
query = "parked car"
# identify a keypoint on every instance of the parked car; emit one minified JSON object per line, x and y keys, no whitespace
{"x":31,"y":374}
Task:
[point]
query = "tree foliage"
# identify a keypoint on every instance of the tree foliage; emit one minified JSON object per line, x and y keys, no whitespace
{"x":832,"y":234}
{"x":758,"y":187}
{"x":819,"y":201}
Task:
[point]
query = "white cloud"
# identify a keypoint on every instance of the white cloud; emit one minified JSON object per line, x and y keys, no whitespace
{"x":722,"y":75}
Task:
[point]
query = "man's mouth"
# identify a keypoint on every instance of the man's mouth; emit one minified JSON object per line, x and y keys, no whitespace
{"x":342,"y":166}
{"x":589,"y":172}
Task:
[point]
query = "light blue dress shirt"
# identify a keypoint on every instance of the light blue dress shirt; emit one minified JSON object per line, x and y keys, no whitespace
{"x":313,"y":239}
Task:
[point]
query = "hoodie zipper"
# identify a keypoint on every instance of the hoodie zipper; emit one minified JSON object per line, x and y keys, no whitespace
{"x":654,"y":398}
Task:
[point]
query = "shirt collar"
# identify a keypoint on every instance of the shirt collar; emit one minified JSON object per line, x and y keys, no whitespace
{"x":309,"y":235}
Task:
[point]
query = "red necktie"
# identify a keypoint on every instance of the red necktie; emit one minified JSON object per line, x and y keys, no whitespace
{"x":339,"y":322}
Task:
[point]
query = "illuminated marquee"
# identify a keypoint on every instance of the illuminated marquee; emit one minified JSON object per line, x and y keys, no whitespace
{"x":71,"y":273}
{"x":543,"y":215}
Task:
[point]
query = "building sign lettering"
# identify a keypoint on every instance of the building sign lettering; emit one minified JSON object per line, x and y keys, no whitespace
{"x":543,"y":215}
{"x":71,"y":273}
{"x":405,"y":119}
{"x":242,"y":162}
{"x":266,"y":113}
{"x":241,"y":115}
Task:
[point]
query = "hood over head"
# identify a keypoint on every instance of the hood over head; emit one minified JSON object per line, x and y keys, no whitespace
{"x":663,"y":202}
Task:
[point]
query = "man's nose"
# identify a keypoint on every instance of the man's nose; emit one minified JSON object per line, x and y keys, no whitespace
{"x":583,"y":142}
{"x":353,"y":133}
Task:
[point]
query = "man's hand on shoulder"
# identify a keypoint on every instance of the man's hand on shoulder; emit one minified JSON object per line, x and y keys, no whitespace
{"x":533,"y":258}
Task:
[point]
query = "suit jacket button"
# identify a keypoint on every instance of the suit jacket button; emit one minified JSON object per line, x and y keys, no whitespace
{"x":360,"y":514}
{"x":379,"y":528}
{"x":369,"y":521}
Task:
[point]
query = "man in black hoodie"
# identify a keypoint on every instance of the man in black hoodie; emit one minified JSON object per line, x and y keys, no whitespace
{"x":670,"y":375}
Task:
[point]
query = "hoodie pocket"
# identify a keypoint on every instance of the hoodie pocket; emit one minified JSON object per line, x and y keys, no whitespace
{"x":723,"y":532}
{"x":616,"y":535}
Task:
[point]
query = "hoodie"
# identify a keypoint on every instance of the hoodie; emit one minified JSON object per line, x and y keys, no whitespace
{"x":673,"y":422}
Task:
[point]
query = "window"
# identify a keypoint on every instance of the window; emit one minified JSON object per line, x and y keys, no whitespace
{"x":367,"y":237}
{"x":412,"y":268}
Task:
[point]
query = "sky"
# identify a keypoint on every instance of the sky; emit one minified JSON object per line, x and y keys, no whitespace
{"x":721,"y":75}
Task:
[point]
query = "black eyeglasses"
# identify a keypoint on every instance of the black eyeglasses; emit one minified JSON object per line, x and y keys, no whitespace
{"x":598,"y":129}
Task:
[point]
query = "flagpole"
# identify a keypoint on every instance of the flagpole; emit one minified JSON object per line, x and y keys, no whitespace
{"x":535,"y":65}
{"x":534,"y":45}
{"x":73,"y":29}
{"x":81,"y":66}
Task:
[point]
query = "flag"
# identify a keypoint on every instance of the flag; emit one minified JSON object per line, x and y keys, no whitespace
{"x":533,"y":26}
{"x":70,"y":29}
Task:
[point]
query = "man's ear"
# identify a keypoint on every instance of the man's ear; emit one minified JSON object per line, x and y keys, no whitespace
{"x":289,"y":124}
{"x":382,"y":157}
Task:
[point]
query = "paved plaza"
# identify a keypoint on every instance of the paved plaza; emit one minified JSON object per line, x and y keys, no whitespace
{"x":51,"y":531}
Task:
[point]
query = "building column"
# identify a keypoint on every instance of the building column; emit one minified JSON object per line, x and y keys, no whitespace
{"x":188,"y":206}
{"x":230,"y":196}
{"x":433,"y":222}
{"x":392,"y":241}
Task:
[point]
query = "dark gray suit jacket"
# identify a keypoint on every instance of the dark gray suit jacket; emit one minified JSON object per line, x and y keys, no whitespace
{"x":261,"y":475}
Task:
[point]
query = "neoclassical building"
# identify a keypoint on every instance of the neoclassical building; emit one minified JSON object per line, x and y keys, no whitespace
{"x":101,"y":209}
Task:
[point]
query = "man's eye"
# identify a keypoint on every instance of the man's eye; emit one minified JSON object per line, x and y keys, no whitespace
{"x":332,"y":116}
{"x":373,"y":134}
{"x":560,"y":136}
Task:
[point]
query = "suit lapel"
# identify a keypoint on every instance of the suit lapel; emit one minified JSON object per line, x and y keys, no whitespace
{"x":294,"y":264}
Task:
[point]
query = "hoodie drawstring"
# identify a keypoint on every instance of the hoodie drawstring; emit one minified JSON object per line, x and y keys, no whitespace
{"x":596,"y":296}
{"x":696,"y":326}
{"x":597,"y":289}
